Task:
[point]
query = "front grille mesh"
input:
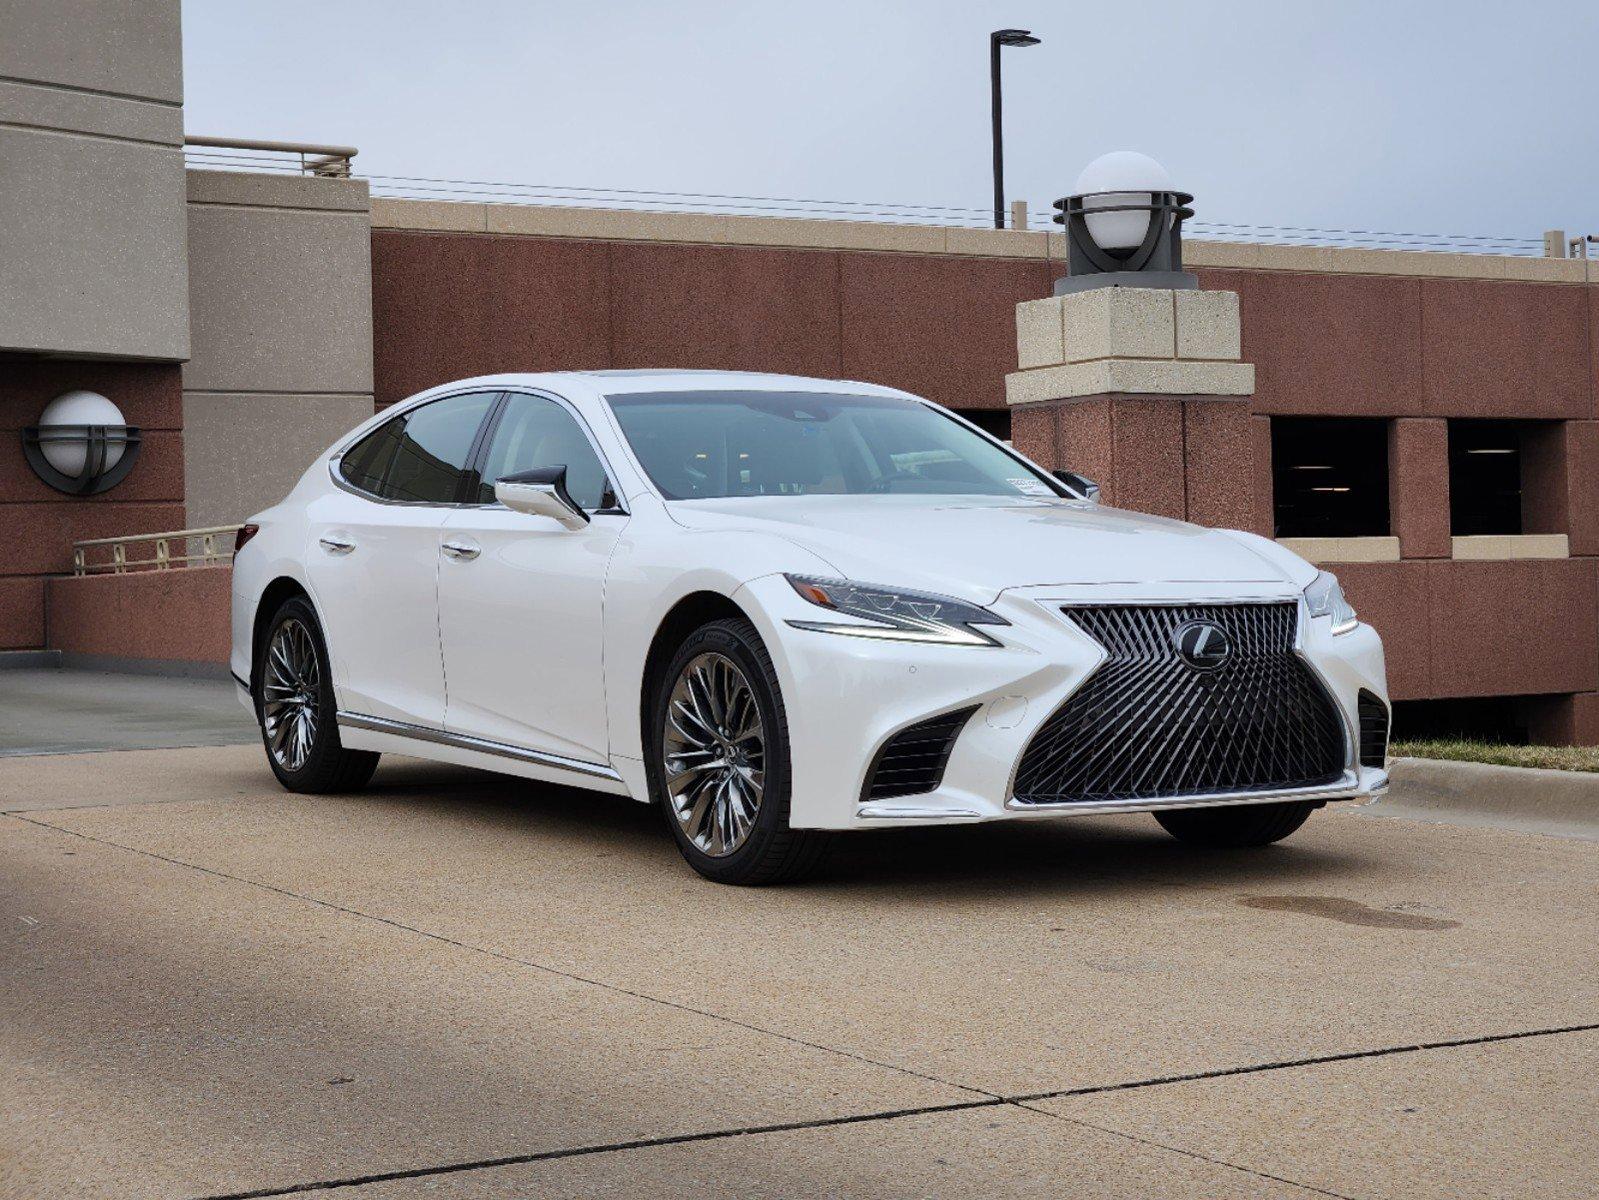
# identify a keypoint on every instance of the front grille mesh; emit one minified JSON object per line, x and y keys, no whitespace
{"x":1146,"y":725}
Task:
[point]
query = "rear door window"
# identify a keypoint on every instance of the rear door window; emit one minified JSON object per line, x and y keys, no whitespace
{"x":419,"y":456}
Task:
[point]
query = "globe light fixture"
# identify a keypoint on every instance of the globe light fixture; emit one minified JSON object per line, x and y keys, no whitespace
{"x":1124,"y":226}
{"x":81,"y":445}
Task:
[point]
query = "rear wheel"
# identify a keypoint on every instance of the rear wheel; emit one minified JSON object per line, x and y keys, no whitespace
{"x":295,"y":706}
{"x":1236,"y":824}
{"x":719,"y":763}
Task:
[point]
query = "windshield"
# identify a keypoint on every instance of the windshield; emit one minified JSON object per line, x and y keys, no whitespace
{"x":705,"y":445}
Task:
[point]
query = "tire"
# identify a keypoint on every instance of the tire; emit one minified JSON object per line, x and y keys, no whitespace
{"x":298,"y":729}
{"x":1237,"y":824}
{"x":726,"y":655}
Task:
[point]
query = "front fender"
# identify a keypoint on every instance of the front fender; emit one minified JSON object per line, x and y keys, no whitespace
{"x":646,"y":581}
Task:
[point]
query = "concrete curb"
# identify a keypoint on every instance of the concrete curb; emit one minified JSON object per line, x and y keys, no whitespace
{"x":1525,"y":799}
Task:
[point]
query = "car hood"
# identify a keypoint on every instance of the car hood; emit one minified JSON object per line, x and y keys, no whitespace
{"x":979,"y":546}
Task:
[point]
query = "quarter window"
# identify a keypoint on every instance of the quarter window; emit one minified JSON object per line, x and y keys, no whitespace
{"x":366,"y":463}
{"x":537,"y":432}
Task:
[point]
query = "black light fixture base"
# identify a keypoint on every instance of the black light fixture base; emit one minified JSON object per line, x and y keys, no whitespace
{"x":97,"y":441}
{"x":1180,"y":281}
{"x":1157,"y":262}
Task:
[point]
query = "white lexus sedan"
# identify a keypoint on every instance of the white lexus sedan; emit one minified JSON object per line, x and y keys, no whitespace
{"x":778,"y":608}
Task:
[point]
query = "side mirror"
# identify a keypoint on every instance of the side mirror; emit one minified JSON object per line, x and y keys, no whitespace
{"x":541,"y":493}
{"x":1081,"y":484}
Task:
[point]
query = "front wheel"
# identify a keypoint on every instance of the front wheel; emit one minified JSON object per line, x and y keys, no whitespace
{"x":718,"y":760}
{"x":294,"y":703}
{"x":1235,"y":824}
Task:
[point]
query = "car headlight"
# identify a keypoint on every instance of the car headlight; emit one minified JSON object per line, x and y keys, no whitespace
{"x":894,"y":614}
{"x":1325,"y":598}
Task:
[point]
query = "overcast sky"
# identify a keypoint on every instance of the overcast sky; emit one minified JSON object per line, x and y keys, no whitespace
{"x":1426,"y":116}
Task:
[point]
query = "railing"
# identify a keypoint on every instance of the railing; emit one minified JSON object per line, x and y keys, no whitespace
{"x":210,"y":553}
{"x":243,"y":154}
{"x":301,"y":157}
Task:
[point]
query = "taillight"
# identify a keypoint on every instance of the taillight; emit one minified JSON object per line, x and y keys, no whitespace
{"x":246,"y":532}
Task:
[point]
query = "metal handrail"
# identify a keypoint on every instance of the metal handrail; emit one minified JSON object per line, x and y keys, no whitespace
{"x":331,"y":161}
{"x":210,"y":553}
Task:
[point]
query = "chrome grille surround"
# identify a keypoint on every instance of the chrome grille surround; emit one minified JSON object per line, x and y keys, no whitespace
{"x":1148,"y":727}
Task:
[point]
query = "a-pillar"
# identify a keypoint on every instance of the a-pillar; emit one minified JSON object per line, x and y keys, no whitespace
{"x":1144,"y":391}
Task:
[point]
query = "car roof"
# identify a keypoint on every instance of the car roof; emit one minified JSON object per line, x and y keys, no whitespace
{"x":618,"y":381}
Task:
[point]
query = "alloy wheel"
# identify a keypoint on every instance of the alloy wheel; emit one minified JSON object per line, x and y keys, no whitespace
{"x":714,"y":754}
{"x":291,"y":694}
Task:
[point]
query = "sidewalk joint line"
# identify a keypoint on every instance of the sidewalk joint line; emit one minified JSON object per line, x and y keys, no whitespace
{"x":671,"y":1139}
{"x":1309,"y":1061}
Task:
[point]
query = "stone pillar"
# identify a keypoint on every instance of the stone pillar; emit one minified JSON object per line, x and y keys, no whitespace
{"x":1143,"y":390}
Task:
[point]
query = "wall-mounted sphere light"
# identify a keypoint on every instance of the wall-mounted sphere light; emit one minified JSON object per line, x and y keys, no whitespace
{"x":81,"y":445}
{"x":1124,"y":226}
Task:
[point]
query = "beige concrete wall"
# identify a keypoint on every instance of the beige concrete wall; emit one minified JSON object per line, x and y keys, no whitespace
{"x":280,"y":287}
{"x":92,"y":243}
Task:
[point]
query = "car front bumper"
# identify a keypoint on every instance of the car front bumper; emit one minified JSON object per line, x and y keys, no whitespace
{"x":846,"y":697}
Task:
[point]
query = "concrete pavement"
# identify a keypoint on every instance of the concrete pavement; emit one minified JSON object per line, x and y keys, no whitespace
{"x":459,"y":985}
{"x":51,"y":710}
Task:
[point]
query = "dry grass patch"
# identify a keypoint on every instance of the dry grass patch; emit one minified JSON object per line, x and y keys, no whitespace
{"x":1552,"y":758}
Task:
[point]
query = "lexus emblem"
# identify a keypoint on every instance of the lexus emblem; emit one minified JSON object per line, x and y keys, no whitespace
{"x":1203,"y":645}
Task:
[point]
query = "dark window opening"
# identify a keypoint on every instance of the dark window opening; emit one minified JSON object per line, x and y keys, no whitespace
{"x":1498,"y":720}
{"x":1330,"y":476}
{"x":1485,"y":462}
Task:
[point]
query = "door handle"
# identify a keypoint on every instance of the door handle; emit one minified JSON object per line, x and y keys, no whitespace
{"x":461,"y":551}
{"x":336,"y":543}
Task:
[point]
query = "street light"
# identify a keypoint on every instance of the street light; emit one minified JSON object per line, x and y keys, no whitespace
{"x":1001,"y":37}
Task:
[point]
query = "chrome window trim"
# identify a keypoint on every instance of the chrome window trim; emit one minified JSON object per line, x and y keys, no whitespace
{"x":444,"y":737}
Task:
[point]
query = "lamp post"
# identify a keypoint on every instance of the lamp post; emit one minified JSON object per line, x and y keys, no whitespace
{"x":1001,"y":37}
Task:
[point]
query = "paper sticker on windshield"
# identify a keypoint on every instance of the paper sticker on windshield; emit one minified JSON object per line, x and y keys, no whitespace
{"x":1030,"y":487}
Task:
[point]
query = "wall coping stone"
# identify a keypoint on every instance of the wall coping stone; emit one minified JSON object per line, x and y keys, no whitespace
{"x":1344,"y":550}
{"x":537,"y":220}
{"x":1498,"y":547}
{"x":255,"y":189}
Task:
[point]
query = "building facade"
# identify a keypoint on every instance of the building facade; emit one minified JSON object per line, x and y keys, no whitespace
{"x":1427,"y":425}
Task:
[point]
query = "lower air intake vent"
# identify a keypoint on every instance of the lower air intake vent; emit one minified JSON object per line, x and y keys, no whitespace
{"x":912,"y":761}
{"x":1192,"y":699}
{"x":1373,"y":731}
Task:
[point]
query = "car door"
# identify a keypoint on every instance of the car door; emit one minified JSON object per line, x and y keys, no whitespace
{"x":373,"y":557}
{"x":521,"y":598}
